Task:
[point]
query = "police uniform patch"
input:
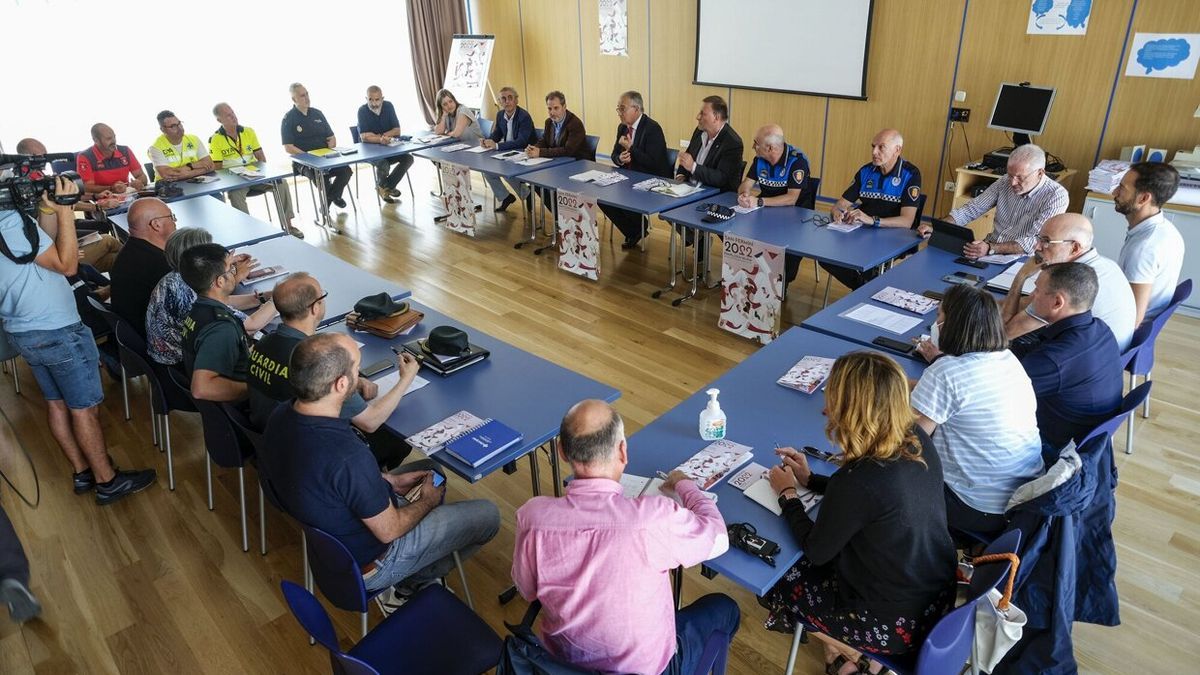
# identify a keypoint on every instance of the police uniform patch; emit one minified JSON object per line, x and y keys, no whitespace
{"x":914,"y":192}
{"x":299,"y":129}
{"x":896,"y":181}
{"x":798,"y":175}
{"x":870,"y":183}
{"x":762,"y":173}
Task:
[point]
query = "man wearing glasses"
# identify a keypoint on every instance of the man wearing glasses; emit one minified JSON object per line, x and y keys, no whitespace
{"x":640,"y":146}
{"x":301,"y":304}
{"x":1066,"y":238}
{"x":142,"y":262}
{"x":1024,"y":199}
{"x":377,"y":123}
{"x":176,"y":155}
{"x":215,"y":347}
{"x":513,"y":130}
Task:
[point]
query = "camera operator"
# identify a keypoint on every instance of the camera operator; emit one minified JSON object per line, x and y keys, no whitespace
{"x":38,"y":312}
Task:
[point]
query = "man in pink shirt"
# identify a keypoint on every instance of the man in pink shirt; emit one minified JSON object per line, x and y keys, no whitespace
{"x":600,"y":562}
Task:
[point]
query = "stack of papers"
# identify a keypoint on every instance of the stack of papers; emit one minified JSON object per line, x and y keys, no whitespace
{"x":1004,"y":280}
{"x":534,"y":161}
{"x":600,"y":177}
{"x":513,"y":156}
{"x":454,"y":147}
{"x":1107,"y":174}
{"x":808,"y":374}
{"x":753,"y":483}
{"x":434,"y":438}
{"x":248,"y":171}
{"x":478,"y":149}
{"x":892,"y":322}
{"x":918,"y":304}
{"x":430,"y":138}
{"x":324,"y":152}
{"x":843,"y":227}
{"x":714,"y":462}
{"x":650,"y":183}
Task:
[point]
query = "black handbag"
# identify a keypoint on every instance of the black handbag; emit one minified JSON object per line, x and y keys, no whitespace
{"x":524,"y":654}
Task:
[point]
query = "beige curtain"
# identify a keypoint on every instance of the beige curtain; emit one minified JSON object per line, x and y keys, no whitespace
{"x":431,"y":26}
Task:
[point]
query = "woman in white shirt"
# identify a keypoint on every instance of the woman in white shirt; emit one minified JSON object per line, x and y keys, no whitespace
{"x":457,"y":120}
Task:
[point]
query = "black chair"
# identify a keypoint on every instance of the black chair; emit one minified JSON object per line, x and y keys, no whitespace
{"x":539,"y":133}
{"x":8,"y":357}
{"x":149,"y":167}
{"x":593,"y":144}
{"x":245,"y":428}
{"x":129,"y":368}
{"x":224,"y":446}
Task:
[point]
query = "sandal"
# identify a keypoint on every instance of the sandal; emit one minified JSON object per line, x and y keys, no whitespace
{"x":864,"y":666}
{"x":836,"y":667}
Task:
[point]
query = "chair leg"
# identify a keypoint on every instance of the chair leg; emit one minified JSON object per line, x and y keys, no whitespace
{"x":645,"y":226}
{"x":242,"y":506}
{"x":125,"y":391}
{"x":796,"y":638}
{"x":1129,"y":434}
{"x":262,"y":521}
{"x":16,"y":377}
{"x":364,"y":624}
{"x":817,"y":271}
{"x":462,"y":576}
{"x":828,"y":281}
{"x":154,"y":432}
{"x":166,"y":422}
{"x":1146,"y":405}
{"x":208,"y":477}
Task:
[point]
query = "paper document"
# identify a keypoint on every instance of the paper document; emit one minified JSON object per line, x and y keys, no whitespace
{"x":1004,"y":280}
{"x":512,"y":156}
{"x":808,"y":374}
{"x":478,"y":149}
{"x":893,"y":322}
{"x":430,"y":138}
{"x":323,"y":152}
{"x":1000,"y":258}
{"x":610,"y":178}
{"x":913,"y":302}
{"x":534,"y":161}
{"x":737,"y":208}
{"x":453,"y":147}
{"x":587,"y":176}
{"x":843,"y":227}
{"x":345,"y":150}
{"x":203,"y":179}
{"x":640,"y":486}
{"x":650,"y":183}
{"x":675,"y":189}
{"x":390,"y":380}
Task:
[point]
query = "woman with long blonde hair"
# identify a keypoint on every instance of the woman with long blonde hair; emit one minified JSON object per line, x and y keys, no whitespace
{"x":879,"y":567}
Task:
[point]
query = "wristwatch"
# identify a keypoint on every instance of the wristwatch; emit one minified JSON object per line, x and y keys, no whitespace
{"x":876,"y":221}
{"x":991,"y":248}
{"x":760,"y":201}
{"x":189,"y":165}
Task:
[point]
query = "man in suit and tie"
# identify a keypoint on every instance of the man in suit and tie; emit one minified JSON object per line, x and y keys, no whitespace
{"x":513,"y":131}
{"x":640,"y":146}
{"x":714,"y":155}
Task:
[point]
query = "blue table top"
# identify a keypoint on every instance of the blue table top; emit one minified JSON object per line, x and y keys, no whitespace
{"x":365,"y":152}
{"x":620,"y":194}
{"x":511,"y":385}
{"x":920,"y":272}
{"x":760,"y":413}
{"x":346,"y":283}
{"x":229,"y":227}
{"x":794,"y":229}
{"x":486,"y":162}
{"x":227,"y":180}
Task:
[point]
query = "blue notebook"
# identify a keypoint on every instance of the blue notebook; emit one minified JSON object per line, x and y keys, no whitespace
{"x":483,"y":442}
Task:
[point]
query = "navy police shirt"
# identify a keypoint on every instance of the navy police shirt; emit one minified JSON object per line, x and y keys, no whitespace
{"x":791,"y":173}
{"x":884,"y":195}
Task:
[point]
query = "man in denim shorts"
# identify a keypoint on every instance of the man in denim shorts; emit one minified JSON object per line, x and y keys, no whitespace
{"x":38,"y":312}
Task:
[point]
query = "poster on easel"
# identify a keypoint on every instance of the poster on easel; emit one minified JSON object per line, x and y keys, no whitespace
{"x":578,"y":235}
{"x":614,"y":28}
{"x":467,"y":69}
{"x":457,"y":199}
{"x":751,"y":288}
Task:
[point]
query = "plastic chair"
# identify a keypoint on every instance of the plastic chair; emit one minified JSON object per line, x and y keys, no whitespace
{"x":1140,"y":355}
{"x":337,"y":574}
{"x":58,"y":166}
{"x":1129,"y":404}
{"x":242,"y":424}
{"x":129,"y":368}
{"x":593,"y":142}
{"x":949,"y":644}
{"x":486,"y":126}
{"x":223,"y":445}
{"x":433,"y":633}
{"x":672,"y":158}
{"x":8,"y":357}
{"x":150,"y":175}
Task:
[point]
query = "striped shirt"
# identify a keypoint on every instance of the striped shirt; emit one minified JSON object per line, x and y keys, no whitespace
{"x":987,"y":435}
{"x":1019,"y":218}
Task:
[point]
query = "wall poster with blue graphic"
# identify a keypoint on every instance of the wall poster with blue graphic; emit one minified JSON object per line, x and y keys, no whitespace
{"x":1171,"y":55}
{"x":1059,"y":17}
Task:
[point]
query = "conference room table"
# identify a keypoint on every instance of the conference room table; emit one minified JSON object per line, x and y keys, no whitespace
{"x":355,"y":154}
{"x":920,"y":272}
{"x":621,"y":195}
{"x":800,"y":231}
{"x":345,"y":283}
{"x":228,"y":226}
{"x":511,"y":386}
{"x":487,"y":164}
{"x":225,"y":180}
{"x":760,"y":414}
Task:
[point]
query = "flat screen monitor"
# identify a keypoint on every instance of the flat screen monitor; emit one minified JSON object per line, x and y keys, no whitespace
{"x":1022,"y":110}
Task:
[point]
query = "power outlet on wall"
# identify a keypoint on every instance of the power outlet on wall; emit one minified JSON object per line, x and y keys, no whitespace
{"x":949,"y":187}
{"x":960,"y":114}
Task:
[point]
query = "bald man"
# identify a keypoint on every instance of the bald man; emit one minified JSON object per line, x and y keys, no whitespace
{"x":569,"y":551}
{"x":233,"y":145}
{"x":107,"y":165}
{"x":781,"y":175}
{"x":300,"y":300}
{"x":886,"y":192}
{"x":1068,"y":238}
{"x":142,"y":262}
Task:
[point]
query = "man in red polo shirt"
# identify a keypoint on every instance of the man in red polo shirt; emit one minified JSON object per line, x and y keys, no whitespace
{"x":106,"y":165}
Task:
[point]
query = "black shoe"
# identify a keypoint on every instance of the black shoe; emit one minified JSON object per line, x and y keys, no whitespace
{"x":478,"y":208}
{"x":124,"y":484}
{"x":508,"y":201}
{"x":84,"y":481}
{"x":22,"y":606}
{"x":629,"y":244}
{"x":339,"y":202}
{"x":393,"y":192}
{"x":386,"y":194}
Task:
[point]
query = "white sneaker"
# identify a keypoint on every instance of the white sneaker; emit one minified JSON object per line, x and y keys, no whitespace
{"x":391,"y":600}
{"x":22,"y":606}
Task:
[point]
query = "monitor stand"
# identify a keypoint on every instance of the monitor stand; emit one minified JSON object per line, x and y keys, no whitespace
{"x":1020,"y":139}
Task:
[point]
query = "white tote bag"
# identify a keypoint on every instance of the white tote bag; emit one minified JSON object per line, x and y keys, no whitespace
{"x":998,"y":622}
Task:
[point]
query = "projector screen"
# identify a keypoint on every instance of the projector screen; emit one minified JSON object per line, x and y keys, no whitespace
{"x":816,"y":47}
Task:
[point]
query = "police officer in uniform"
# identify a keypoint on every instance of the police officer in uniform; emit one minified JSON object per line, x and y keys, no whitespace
{"x":884,"y":193}
{"x":782,"y":175}
{"x":177,"y":155}
{"x":305,"y":128}
{"x":215,"y":346}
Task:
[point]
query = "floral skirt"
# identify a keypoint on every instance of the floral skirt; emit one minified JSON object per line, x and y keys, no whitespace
{"x":809,"y":594}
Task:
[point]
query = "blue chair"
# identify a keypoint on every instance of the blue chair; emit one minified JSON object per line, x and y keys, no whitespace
{"x":672,"y":158}
{"x":948,"y":645}
{"x":58,"y":166}
{"x":486,"y":126}
{"x":593,"y":143}
{"x":8,"y":357}
{"x":337,"y":574}
{"x":433,"y":633}
{"x":1139,"y":357}
{"x":1129,"y":404}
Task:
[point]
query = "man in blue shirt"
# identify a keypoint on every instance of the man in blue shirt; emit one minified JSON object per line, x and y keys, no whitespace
{"x":305,"y":128}
{"x":377,"y":123}
{"x":325,"y":477}
{"x":1073,"y":360}
{"x":783,"y":178}
{"x":513,"y":130}
{"x":38,"y":311}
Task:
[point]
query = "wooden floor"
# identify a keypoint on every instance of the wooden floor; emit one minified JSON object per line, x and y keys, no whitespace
{"x":157,"y":583}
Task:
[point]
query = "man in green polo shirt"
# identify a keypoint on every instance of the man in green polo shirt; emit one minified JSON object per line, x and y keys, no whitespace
{"x":233,"y":145}
{"x":215,"y":347}
{"x":177,"y":155}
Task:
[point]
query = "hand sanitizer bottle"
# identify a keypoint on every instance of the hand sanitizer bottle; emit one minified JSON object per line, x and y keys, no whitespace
{"x":712,"y":418}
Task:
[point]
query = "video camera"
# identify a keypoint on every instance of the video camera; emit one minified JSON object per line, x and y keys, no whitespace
{"x":22,"y":191}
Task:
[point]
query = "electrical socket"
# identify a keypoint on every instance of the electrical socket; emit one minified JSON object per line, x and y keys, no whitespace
{"x":949,"y":186}
{"x":960,"y":114}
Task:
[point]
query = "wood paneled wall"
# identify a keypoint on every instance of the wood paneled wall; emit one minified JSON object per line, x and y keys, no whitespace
{"x":916,"y":46}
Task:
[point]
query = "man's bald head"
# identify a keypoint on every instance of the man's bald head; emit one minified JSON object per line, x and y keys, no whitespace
{"x":891,"y":136}
{"x":151,"y":219}
{"x":1073,"y":227}
{"x":591,"y":432}
{"x":100,"y":129}
{"x":296,"y":295}
{"x":30,"y":146}
{"x":886,"y":147}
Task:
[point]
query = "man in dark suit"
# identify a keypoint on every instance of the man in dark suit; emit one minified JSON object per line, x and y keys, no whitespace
{"x":513,"y":131}
{"x":562,"y":136}
{"x":640,"y":146}
{"x":714,"y":155}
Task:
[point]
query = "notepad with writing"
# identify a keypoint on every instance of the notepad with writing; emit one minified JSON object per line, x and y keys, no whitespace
{"x":753,"y":483}
{"x":483,"y":442}
{"x":641,"y":486}
{"x":435,"y":437}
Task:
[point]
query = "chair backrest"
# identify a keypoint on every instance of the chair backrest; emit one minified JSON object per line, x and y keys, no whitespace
{"x":175,"y":389}
{"x":149,"y":167}
{"x":672,"y":159}
{"x":7,"y":351}
{"x":1132,"y":400}
{"x":58,"y":166}
{"x":485,"y":127}
{"x":133,"y":352}
{"x":1142,"y":361}
{"x":352,"y":666}
{"x":221,"y":440}
{"x":110,"y":317}
{"x":354,"y":135}
{"x":811,"y":202}
{"x":920,"y":211}
{"x":948,"y":645}
{"x":336,"y":572}
{"x":310,"y":614}
{"x":593,"y":142}
{"x":539,"y":132}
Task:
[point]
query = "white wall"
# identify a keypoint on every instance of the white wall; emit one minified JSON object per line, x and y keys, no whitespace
{"x":121,"y":62}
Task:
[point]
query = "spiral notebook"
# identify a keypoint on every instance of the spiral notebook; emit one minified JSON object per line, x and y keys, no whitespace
{"x":466,"y":437}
